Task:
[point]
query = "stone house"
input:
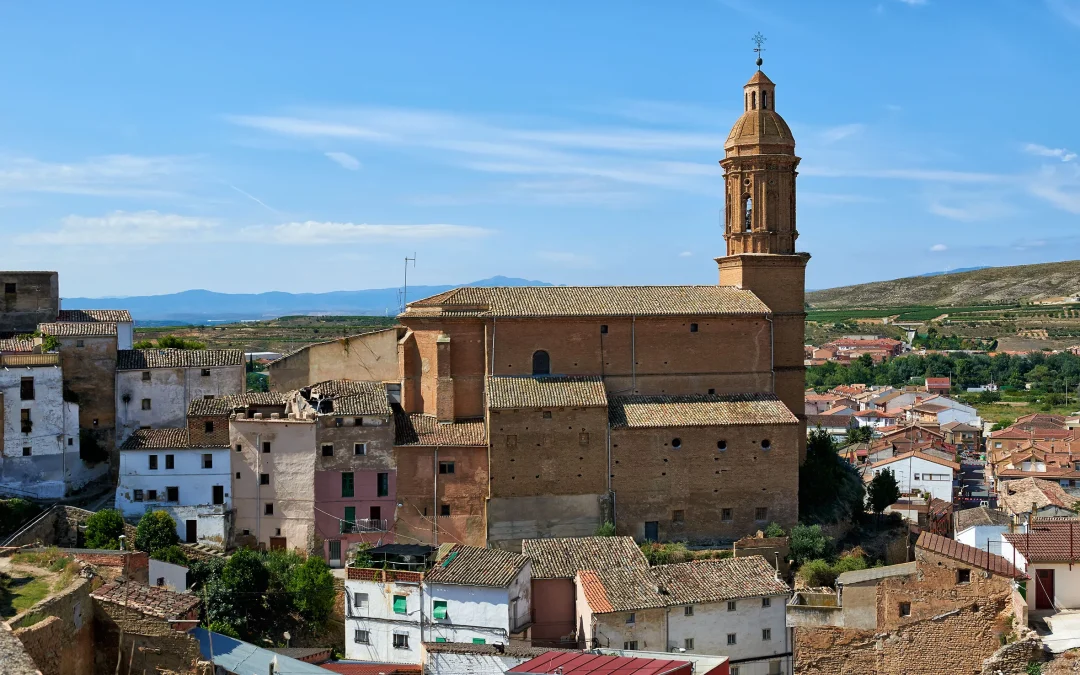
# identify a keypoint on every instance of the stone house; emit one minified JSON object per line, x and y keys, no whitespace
{"x":963,"y":436}
{"x":186,"y":476}
{"x":1048,"y":552}
{"x":951,"y":594}
{"x":28,"y":299}
{"x":470,"y":595}
{"x":370,"y":356}
{"x":982,"y":527}
{"x":154,"y":387}
{"x":734,"y":607}
{"x":556,"y":562}
{"x":355,"y":471}
{"x":39,"y":430}
{"x":1035,"y":497}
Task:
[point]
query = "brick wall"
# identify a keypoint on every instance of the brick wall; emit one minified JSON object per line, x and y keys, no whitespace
{"x":132,"y":565}
{"x":157,"y":645}
{"x":465,"y":492}
{"x":90,"y":374}
{"x":198,"y":436}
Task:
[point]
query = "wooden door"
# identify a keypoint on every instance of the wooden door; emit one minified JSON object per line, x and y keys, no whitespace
{"x":1044,"y":589}
{"x":652,"y":530}
{"x":277,"y":543}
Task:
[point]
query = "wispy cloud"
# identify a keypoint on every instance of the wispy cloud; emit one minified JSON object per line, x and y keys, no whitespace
{"x":941,"y":175}
{"x":1043,"y":151}
{"x":344,"y":159}
{"x":141,"y":228}
{"x":1066,"y":9}
{"x":685,"y":254}
{"x":839,"y":133}
{"x":292,"y":126}
{"x":1058,"y":185}
{"x":937,"y":248}
{"x":913,"y":3}
{"x":255,"y":199}
{"x":109,"y":175}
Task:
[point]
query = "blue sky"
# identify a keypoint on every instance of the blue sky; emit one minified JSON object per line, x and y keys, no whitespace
{"x":245,"y":147}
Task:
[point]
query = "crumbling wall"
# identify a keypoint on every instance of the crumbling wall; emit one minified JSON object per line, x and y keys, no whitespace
{"x":58,"y":633}
{"x":140,"y":643}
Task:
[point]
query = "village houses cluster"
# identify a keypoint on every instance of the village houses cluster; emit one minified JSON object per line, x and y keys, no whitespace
{"x":457,"y":466}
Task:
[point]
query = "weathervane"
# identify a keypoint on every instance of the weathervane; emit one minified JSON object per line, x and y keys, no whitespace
{"x":758,"y":40}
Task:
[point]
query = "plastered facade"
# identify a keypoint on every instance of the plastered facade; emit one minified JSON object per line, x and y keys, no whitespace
{"x":464,"y":492}
{"x":369,"y":356}
{"x":376,"y":616}
{"x":36,"y":299}
{"x":169,"y":392}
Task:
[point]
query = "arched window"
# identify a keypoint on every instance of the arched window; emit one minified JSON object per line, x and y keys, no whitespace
{"x":764,"y":100}
{"x":753,"y":100}
{"x":541,"y":363}
{"x":748,"y":213}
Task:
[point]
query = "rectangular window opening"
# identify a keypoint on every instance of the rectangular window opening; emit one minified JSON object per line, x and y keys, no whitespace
{"x":359,"y":448}
{"x":208,"y":461}
{"x":446,"y":467}
{"x":170,"y":461}
{"x":328,"y":450}
{"x":347,"y":484}
{"x":383,"y":485}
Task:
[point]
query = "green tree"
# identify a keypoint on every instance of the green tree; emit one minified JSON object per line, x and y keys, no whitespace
{"x":883,"y":491}
{"x":312,"y":587}
{"x":1001,"y":424}
{"x":830,"y":490}
{"x":774,"y":530}
{"x":606,"y":530}
{"x":156,"y":530}
{"x":171,"y":554}
{"x":860,"y":434}
{"x":103,"y":529}
{"x":362,"y":555}
{"x":808,"y":542}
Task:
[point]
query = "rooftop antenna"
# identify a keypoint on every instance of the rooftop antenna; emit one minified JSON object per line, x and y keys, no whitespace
{"x":758,"y":39}
{"x":405,"y":291}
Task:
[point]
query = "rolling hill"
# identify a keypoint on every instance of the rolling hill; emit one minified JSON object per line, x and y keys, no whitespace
{"x":989,"y":285}
{"x":200,"y":306}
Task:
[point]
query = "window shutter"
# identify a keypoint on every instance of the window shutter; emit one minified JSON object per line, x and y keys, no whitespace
{"x":439,"y":609}
{"x":399,"y":604}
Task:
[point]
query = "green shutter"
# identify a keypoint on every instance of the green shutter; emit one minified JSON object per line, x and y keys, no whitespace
{"x":399,"y":604}
{"x":439,"y":609}
{"x":347,"y":484}
{"x":440,"y":639}
{"x":479,"y":641}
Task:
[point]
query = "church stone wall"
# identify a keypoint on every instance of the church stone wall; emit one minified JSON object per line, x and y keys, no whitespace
{"x":465,"y":492}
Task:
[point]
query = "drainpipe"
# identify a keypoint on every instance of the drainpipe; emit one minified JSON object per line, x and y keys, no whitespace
{"x":258,"y":489}
{"x":633,"y":356}
{"x":772,"y":354}
{"x":493,"y":345}
{"x":435,"y":492}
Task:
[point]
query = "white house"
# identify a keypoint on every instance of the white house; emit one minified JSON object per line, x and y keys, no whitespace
{"x":918,"y":471}
{"x":735,"y":607}
{"x":982,"y":527}
{"x":1050,"y":555}
{"x":473,"y":595}
{"x":160,"y":469}
{"x":39,"y":430}
{"x":169,"y":575}
{"x":155,"y":386}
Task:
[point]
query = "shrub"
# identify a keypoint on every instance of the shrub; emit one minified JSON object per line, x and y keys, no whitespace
{"x":606,"y":530}
{"x":817,"y":572}
{"x":808,"y":542}
{"x":103,"y":529}
{"x":362,"y":555}
{"x":312,"y":587}
{"x":171,"y":554}
{"x":774,"y":530}
{"x":223,"y":628}
{"x":156,"y":530}
{"x":665,"y":554}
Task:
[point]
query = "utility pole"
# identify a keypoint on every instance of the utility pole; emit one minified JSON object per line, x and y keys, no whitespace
{"x":405,"y":292}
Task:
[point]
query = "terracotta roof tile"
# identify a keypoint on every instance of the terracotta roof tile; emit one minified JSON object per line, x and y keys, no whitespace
{"x":366,"y":668}
{"x":537,"y":301}
{"x":548,"y":391}
{"x":594,"y":592}
{"x":78,"y":329}
{"x":153,"y":439}
{"x":950,"y":548}
{"x":562,"y":558}
{"x":428,"y":431}
{"x":473,"y":566}
{"x":919,"y":455}
{"x":94,"y":315}
{"x":142,"y":359}
{"x":16,"y":345}
{"x":155,"y":601}
{"x":1019,"y":495}
{"x":981,"y":515}
{"x":226,"y":405}
{"x":1049,"y":541}
{"x":352,"y":397}
{"x":698,"y":410}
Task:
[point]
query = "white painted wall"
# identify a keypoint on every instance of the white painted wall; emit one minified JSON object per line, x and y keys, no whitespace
{"x":125,"y":334}
{"x":905,"y":471}
{"x":196,"y":489}
{"x":449,"y":663}
{"x":379,"y":619}
{"x":959,"y":415}
{"x":170,"y":391}
{"x":986,"y":537}
{"x":472,"y":613}
{"x":1066,"y":581}
{"x":53,"y":466}
{"x":169,"y":575}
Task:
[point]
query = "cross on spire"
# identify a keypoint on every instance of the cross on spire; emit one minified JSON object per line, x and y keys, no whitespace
{"x":758,"y":39}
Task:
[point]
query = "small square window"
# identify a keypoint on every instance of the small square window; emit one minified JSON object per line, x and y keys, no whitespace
{"x":172,"y":494}
{"x":446,"y":467}
{"x":146,"y":376}
{"x":905,"y":609}
{"x":359,"y":448}
{"x":401,"y":641}
{"x":268,"y":509}
{"x":963,"y":576}
{"x":731,"y":605}
{"x":444,"y":509}
{"x":361,"y":637}
{"x":9,"y":288}
{"x":137,"y":496}
{"x":328,"y":450}
{"x":766,"y":602}
{"x":693,"y":328}
{"x":547,"y":414}
{"x":26,"y":452}
{"x":208,"y":427}
{"x":360,"y":600}
{"x":731,"y":638}
{"x":603,"y":328}
{"x":766,"y":633}
{"x":160,"y":581}
{"x":631,"y":618}
{"x":151,"y":495}
{"x":208,"y":397}
{"x":400,"y":604}
{"x":239,"y":447}
{"x":678,"y":516}
{"x":247,"y":533}
{"x":170,"y":461}
{"x":266,"y":446}
{"x":152,"y":462}
{"x":774,"y":668}
{"x":338,"y":421}
{"x":71,"y":441}
{"x":206,"y":372}
{"x":264,"y":479}
{"x":438,"y":609}
{"x":630,"y":645}
{"x":80,"y":343}
{"x":207,"y":461}
{"x":726,"y":515}
{"x":761,"y":513}
{"x":734,"y":670}
{"x":146,"y":404}
{"x":688,"y":643}
{"x":237,"y":475}
{"x":688,"y":610}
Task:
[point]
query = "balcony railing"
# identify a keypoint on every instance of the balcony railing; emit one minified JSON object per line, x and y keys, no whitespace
{"x":11,"y":360}
{"x":363,"y":525}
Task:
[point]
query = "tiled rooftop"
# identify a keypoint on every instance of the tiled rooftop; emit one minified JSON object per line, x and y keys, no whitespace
{"x":546,"y":391}
{"x":94,"y":315}
{"x":142,"y":359}
{"x":597,"y":301}
{"x":697,"y":411}
{"x":426,"y":430}
{"x":918,"y":454}
{"x":950,"y":548}
{"x":562,"y":558}
{"x":226,"y":405}
{"x":980,"y":515}
{"x":78,"y":329}
{"x":153,"y":439}
{"x":353,"y":397}
{"x":16,"y":345}
{"x":155,"y":601}
{"x":1049,"y":541}
{"x":1019,"y":495}
{"x":473,"y":566}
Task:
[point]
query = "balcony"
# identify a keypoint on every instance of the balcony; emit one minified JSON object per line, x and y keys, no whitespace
{"x":12,"y":360}
{"x":363,"y":525}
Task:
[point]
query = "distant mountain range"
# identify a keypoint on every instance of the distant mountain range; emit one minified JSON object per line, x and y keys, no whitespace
{"x":986,"y":285}
{"x":956,"y":271}
{"x":200,"y":306}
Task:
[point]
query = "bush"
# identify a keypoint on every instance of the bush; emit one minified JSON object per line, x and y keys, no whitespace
{"x":606,"y":530}
{"x":223,"y":628}
{"x":817,"y":572}
{"x":171,"y":554}
{"x":362,"y":555}
{"x":808,"y":542}
{"x":156,"y":530}
{"x":103,"y":529}
{"x":665,"y":554}
{"x":774,"y":530}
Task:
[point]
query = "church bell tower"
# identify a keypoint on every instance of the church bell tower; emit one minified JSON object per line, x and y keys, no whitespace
{"x":759,"y":229}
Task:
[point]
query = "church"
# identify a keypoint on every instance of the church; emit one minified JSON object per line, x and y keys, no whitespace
{"x":673,"y":412}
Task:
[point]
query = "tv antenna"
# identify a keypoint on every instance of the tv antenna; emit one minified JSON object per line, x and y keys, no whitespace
{"x":405,"y":290}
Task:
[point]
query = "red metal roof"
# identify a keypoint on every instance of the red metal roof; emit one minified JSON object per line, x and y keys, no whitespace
{"x":576,"y":663}
{"x":365,"y":668}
